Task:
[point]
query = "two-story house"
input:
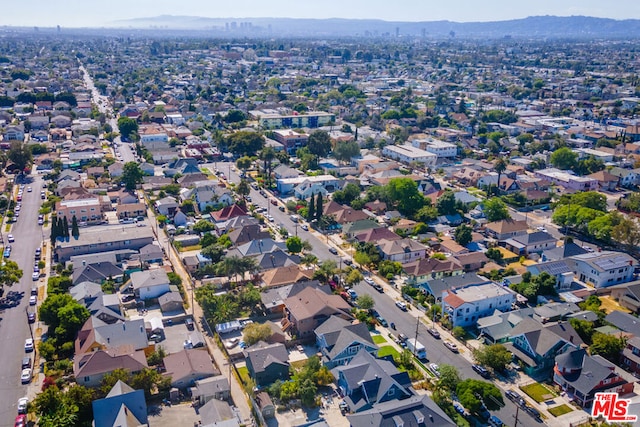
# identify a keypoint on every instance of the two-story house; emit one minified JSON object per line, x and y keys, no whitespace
{"x":309,"y":308}
{"x":425,"y":269}
{"x":506,"y":229}
{"x":267,"y":363}
{"x":339,"y":341}
{"x":582,"y":376}
{"x":466,"y":305}
{"x":401,"y":250}
{"x":603,"y":269}
{"x":631,"y":355}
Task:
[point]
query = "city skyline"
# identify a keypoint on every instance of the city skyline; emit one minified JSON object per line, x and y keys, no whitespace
{"x":90,"y":13}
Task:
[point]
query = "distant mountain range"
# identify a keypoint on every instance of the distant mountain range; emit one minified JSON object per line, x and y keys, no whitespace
{"x":531,"y":27}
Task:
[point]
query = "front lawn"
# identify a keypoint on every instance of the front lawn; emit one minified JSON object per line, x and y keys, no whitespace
{"x":539,"y":392}
{"x":378,"y":339}
{"x":388,"y":350}
{"x":560,"y":410}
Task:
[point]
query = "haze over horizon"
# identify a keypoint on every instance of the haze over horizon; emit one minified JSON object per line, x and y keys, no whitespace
{"x":92,"y":13}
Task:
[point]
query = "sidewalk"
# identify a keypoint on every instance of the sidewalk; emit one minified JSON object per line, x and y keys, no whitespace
{"x":237,"y":392}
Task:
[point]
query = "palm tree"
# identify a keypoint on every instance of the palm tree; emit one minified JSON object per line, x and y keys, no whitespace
{"x":325,"y":271}
{"x":267,"y":155}
{"x":500,"y":166}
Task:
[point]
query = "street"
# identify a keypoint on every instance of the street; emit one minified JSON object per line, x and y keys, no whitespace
{"x":14,"y":327}
{"x":320,"y":248}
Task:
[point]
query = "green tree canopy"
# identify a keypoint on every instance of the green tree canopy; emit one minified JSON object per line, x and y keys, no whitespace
{"x":472,"y":393}
{"x":495,"y":356}
{"x":345,"y":151}
{"x":446,"y":204}
{"x":20,"y":155}
{"x":10,"y":273}
{"x":131,"y":175}
{"x":495,"y":209}
{"x":608,"y":346}
{"x":245,"y":143}
{"x":294,"y":244}
{"x":463,"y":234}
{"x":564,"y":158}
{"x":127,"y":126}
{"x":365,"y":301}
{"x":255,"y":332}
{"x":319,"y":143}
{"x":405,"y":194}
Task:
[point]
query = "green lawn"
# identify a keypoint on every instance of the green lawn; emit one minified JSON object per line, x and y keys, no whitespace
{"x":539,"y":392}
{"x":388,"y":350}
{"x":244,"y":374}
{"x":378,"y":339}
{"x":560,"y":410}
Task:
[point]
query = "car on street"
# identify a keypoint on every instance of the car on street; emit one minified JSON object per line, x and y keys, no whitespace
{"x":21,"y":421}
{"x":25,"y":377}
{"x":10,"y":238}
{"x":451,"y":346}
{"x":28,"y":345}
{"x":382,"y":321}
{"x":232,"y":343}
{"x":495,"y":421}
{"x":333,"y":250}
{"x":31,"y":316}
{"x":35,"y":276}
{"x":281,"y":208}
{"x":368,"y":280}
{"x":33,"y":300}
{"x":433,"y":367}
{"x":434,"y":333}
{"x":533,"y":412}
{"x":401,"y":305}
{"x":378,"y":288}
{"x":22,"y":405}
{"x":304,"y":227}
{"x":274,"y":202}
{"x":43,"y":195}
{"x":7,"y":252}
{"x":29,"y":190}
{"x":541,"y":228}
{"x":26,"y":362}
{"x":482,"y":371}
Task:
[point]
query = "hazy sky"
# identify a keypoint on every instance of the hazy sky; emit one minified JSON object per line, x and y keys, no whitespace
{"x":87,"y":13}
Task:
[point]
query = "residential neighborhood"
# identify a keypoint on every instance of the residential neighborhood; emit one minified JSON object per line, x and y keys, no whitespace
{"x":273,"y":231}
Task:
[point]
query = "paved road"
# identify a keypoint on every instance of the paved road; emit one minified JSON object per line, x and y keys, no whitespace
{"x":14,"y":328}
{"x":319,"y":244}
{"x":436,"y":351}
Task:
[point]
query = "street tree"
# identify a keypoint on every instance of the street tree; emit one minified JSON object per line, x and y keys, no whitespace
{"x":10,"y":273}
{"x":311,"y":210}
{"x":243,"y":188}
{"x":365,"y":301}
{"x":495,"y":209}
{"x":267,"y":155}
{"x":20,"y":155}
{"x":354,"y":276}
{"x":319,"y":143}
{"x":463,"y":234}
{"x":131,"y":175}
{"x":127,"y":126}
{"x":245,"y":143}
{"x":294,"y":244}
{"x":472,"y":393}
{"x":449,"y":377}
{"x":500,"y":166}
{"x":244,"y":163}
{"x":495,"y":356}
{"x":325,"y":271}
{"x":319,"y":207}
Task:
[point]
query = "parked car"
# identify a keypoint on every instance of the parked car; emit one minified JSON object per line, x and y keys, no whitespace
{"x":378,"y":288}
{"x":304,"y":227}
{"x":369,"y":280}
{"x":26,"y":362}
{"x":22,"y":405}
{"x":35,"y":276}
{"x":434,"y":333}
{"x":451,"y":346}
{"x":482,"y":371}
{"x":25,"y":377}
{"x":495,"y":421}
{"x":401,"y":305}
{"x":433,"y":367}
{"x":333,"y":250}
{"x":511,"y":395}
{"x":533,"y":412}
{"x":21,"y":421}
{"x":10,"y":238}
{"x":31,"y":317}
{"x":28,"y":345}
{"x":33,"y":299}
{"x":402,"y":337}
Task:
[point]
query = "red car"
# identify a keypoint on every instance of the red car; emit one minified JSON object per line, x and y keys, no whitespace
{"x":21,"y":421}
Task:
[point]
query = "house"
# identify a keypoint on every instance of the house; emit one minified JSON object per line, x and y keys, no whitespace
{"x":273,"y":298}
{"x":266,"y":406}
{"x":567,"y":180}
{"x":166,"y":206}
{"x":85,"y":210}
{"x":497,"y":327}
{"x":116,"y":170}
{"x":98,"y":272}
{"x":171,"y":302}
{"x":558,"y":269}
{"x":472,"y":261}
{"x":89,"y":369}
{"x":537,"y":345}
{"x":227,"y":213}
{"x":366,"y":382}
{"x":561,"y":252}
{"x":257,"y":247}
{"x":534,"y":242}
{"x":150,"y":284}
{"x":631,"y":355}
{"x":151,"y":253}
{"x":123,"y":197}
{"x":627,"y":295}
{"x":131,"y":210}
{"x":436,"y":287}
{"x":402,"y":250}
{"x":506,"y":228}
{"x":425,"y":269}
{"x":217,"y":387}
{"x":188,"y":366}
{"x":371,"y":235}
{"x":418,"y":410}
{"x":246,"y":234}
{"x":603,"y":269}
{"x":122,"y":406}
{"x":329,"y":183}
{"x":339,"y":341}
{"x":86,"y":292}
{"x":105,"y":240}
{"x":209,"y":195}
{"x":606,"y":180}
{"x":285,"y":276}
{"x":466,"y":305}
{"x":267,"y":363}
{"x":120,"y":337}
{"x":626,"y":177}
{"x":310,"y":307}
{"x":217,"y":413}
{"x":625,"y":322}
{"x":581,"y":376}
{"x":409,"y":154}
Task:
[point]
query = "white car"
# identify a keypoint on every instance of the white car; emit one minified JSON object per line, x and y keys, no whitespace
{"x":22,"y":405}
{"x":25,"y":377}
{"x":10,"y":238}
{"x":541,"y":228}
{"x":304,"y":227}
{"x":29,"y":190}
{"x":35,"y":276}
{"x":28,"y":345}
{"x":369,"y":280}
{"x":33,"y":300}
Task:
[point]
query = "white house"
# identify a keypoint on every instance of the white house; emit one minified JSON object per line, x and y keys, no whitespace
{"x":408,"y":154}
{"x":307,"y":189}
{"x":466,"y":305}
{"x":440,"y":148}
{"x":603,"y":269}
{"x":287,"y":185}
{"x":152,"y":133}
{"x":150,"y":284}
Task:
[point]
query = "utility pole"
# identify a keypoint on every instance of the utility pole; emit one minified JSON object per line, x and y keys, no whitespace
{"x":415,"y":342}
{"x":515,"y":417}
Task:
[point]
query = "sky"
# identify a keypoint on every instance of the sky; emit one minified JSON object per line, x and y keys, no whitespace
{"x":95,"y":13}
